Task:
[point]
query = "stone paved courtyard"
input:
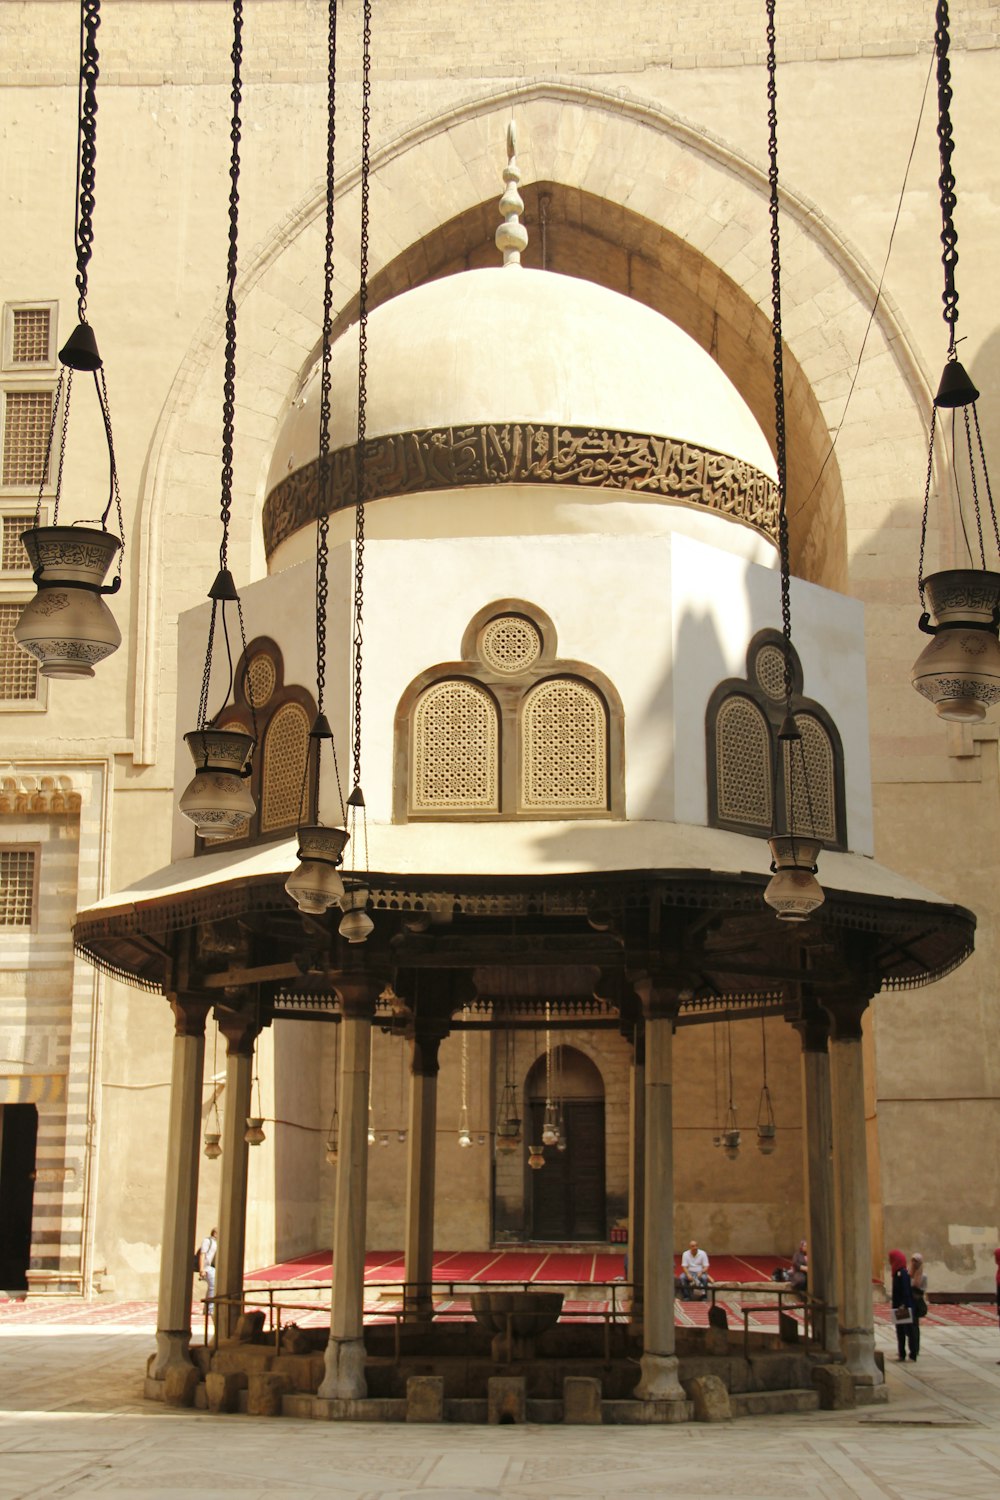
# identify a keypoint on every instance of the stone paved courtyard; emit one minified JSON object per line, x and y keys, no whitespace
{"x":72,"y":1423}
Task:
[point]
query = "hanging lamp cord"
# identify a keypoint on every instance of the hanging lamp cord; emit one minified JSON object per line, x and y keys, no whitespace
{"x":359,"y":513}
{"x":946,"y":181}
{"x":229,"y":385}
{"x":224,"y":590}
{"x":86,"y":155}
{"x":321,"y":729}
{"x":779,"y":378}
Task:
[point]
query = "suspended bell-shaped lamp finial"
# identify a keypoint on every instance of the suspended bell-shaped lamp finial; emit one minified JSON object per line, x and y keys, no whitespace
{"x":956,"y":388}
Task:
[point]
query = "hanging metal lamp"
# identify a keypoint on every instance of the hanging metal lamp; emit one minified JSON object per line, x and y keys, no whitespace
{"x":356,"y":925}
{"x":793,"y":892}
{"x":316,"y":884}
{"x":508,"y":1126}
{"x":767,"y":1133}
{"x":67,"y":627}
{"x":218,"y":799}
{"x":959,"y":669}
{"x":464,"y":1132}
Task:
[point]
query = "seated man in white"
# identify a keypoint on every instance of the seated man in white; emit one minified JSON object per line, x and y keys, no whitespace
{"x":694,"y":1278}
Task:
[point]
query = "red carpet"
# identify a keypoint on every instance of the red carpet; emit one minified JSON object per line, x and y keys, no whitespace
{"x":485,"y":1266}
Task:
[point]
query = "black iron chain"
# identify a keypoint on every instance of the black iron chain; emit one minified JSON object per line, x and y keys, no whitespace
{"x":219,"y":598}
{"x":361,"y":463}
{"x":323,"y":519}
{"x":779,"y":379}
{"x":114,"y":490}
{"x":65,"y":374}
{"x":86,"y":152}
{"x":229,"y":388}
{"x":946,"y":181}
{"x":986,"y":474}
{"x":926,"y":510}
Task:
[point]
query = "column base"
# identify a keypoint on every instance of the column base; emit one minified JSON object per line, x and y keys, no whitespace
{"x":858,"y":1348}
{"x":828,"y":1331}
{"x":172,"y":1350}
{"x":345,"y":1371}
{"x":659,"y":1380}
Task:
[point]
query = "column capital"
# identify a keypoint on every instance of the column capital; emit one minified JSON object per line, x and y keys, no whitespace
{"x":846,"y":1017}
{"x":660,"y":995}
{"x":190,"y":1013}
{"x":358,"y":994}
{"x":813,"y":1027}
{"x":425,"y":1040}
{"x":240,"y":1032}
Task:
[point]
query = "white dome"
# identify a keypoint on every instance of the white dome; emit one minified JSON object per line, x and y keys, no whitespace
{"x":509,"y":344}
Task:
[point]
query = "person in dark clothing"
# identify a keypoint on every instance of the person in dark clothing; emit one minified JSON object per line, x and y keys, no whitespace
{"x":902,"y":1302}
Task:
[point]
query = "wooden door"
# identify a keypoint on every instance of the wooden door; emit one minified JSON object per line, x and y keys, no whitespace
{"x":567,"y":1194}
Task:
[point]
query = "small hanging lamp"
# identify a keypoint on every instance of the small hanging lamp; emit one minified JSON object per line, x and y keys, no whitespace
{"x":213,"y":1132}
{"x":371,"y":1076}
{"x":959,"y":669}
{"x":550,"y":1119}
{"x":333,"y":1133}
{"x":793,"y":892}
{"x":508,"y":1127}
{"x":464,"y":1133}
{"x":218,"y":799}
{"x":766,"y":1129}
{"x":536,"y":1158}
{"x":731,"y":1133}
{"x":254,"y":1133}
{"x":315,"y":885}
{"x":67,"y":627}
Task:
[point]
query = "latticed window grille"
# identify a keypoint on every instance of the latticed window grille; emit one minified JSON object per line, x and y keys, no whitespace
{"x":743,"y":764}
{"x":810,"y":781}
{"x":284,"y":790}
{"x":510,"y":643}
{"x":262,"y":678}
{"x":455,"y":750}
{"x":564,"y":748}
{"x":17,"y":887}
{"x":30,"y":328}
{"x":13,"y":558}
{"x":769,"y":669}
{"x":18,"y":670}
{"x":27,"y":415}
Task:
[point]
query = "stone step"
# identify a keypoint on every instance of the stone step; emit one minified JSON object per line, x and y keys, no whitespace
{"x":771,"y":1403}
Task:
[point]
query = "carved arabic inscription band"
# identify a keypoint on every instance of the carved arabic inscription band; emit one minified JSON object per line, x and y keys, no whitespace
{"x":443,"y":458}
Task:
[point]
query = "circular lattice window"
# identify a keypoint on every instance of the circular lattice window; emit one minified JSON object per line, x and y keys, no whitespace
{"x":261,"y":679}
{"x":769,"y":669}
{"x":510,"y":644}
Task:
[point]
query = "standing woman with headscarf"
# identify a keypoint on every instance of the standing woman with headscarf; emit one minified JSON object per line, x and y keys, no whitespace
{"x":902,"y":1306}
{"x":918,"y":1285}
{"x":996,"y":1257}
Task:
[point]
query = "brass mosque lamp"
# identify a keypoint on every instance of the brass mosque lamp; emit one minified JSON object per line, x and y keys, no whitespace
{"x":793,"y":891}
{"x":959,"y":669}
{"x":67,"y":627}
{"x":315,"y":885}
{"x":218,"y":799}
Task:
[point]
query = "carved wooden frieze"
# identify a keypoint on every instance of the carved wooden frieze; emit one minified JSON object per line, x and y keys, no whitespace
{"x":444,"y":458}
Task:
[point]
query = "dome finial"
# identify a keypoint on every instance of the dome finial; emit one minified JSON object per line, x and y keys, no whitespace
{"x":511,"y":236}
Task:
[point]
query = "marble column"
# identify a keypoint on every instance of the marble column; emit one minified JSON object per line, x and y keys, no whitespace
{"x":421,"y":1154}
{"x":659,"y":1380}
{"x":823,"y":1258}
{"x":857,"y":1318}
{"x":240,"y":1035}
{"x":345,"y":1353}
{"x":636,"y":1171}
{"x":173,"y":1317}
